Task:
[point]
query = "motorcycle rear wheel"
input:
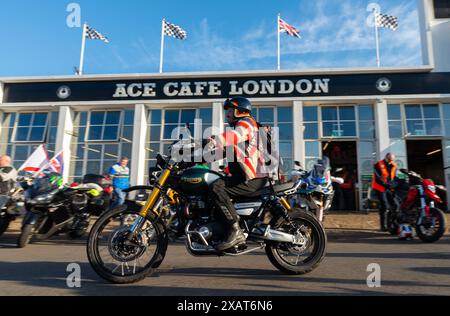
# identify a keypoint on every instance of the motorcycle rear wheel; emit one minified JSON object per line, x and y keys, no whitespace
{"x":125,"y":257}
{"x":316,"y":244}
{"x":425,"y":234}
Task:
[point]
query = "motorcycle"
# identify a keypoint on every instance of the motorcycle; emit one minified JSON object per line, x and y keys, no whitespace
{"x":413,"y":202}
{"x":127,"y":252}
{"x":11,"y":206}
{"x":316,"y":191}
{"x":53,"y":208}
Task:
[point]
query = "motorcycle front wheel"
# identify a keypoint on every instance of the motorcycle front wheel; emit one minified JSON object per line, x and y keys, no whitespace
{"x":299,"y":259}
{"x":25,"y":235}
{"x":116,"y":258}
{"x":432,"y":228}
{"x":4,"y":224}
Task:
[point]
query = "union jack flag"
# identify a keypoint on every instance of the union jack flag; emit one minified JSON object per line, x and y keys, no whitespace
{"x":56,"y":164}
{"x":289,"y":29}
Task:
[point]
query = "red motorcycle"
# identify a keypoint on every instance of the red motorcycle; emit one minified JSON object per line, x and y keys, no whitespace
{"x":414,"y":203}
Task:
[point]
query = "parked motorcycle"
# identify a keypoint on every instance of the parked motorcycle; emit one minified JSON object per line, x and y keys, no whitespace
{"x":53,"y":208}
{"x":316,"y":190}
{"x":11,"y":206}
{"x":413,"y":202}
{"x":294,"y":240}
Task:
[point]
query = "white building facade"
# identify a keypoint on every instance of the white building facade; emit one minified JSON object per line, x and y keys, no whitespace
{"x":355,"y":116}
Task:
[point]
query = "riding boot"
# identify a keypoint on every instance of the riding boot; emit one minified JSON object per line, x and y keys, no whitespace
{"x":235,"y":237}
{"x":383,"y":221}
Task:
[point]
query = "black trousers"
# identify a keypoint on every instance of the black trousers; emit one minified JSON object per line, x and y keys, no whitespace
{"x":223,"y":190}
{"x":384,"y":204}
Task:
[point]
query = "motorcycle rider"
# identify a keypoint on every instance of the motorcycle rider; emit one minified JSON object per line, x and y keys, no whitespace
{"x":385,"y":171}
{"x":243,"y":166}
{"x":8,"y":175}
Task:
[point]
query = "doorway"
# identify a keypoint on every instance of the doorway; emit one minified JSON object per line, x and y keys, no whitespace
{"x":426,"y":158}
{"x":343,"y":155}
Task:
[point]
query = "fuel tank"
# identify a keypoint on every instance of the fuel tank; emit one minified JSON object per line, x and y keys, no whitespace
{"x":196,"y":181}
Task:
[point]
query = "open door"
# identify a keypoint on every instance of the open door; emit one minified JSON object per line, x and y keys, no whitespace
{"x":343,"y":155}
{"x":426,"y":158}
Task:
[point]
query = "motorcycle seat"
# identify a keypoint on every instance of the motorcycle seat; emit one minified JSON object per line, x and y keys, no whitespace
{"x":279,"y":188}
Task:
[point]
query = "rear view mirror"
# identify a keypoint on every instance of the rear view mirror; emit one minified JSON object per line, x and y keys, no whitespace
{"x":298,"y":164}
{"x":339,"y":169}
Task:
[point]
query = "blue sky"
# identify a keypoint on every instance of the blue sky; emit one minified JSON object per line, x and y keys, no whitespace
{"x":223,"y":35}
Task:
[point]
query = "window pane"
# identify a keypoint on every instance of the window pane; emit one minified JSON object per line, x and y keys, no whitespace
{"x":128,"y":133}
{"x":286,"y":149}
{"x":54,"y":119}
{"x":94,"y":151}
{"x":25,"y":119}
{"x":21,"y":153}
{"x":348,"y":129}
{"x":394,"y":112}
{"x":111,"y":151}
{"x":311,"y":131}
{"x":83,"y":118}
{"x":126,"y":150}
{"x":367,"y":130}
{"x":310,"y":162}
{"x":328,"y":128}
{"x":431,"y":111}
{"x":37,"y":134}
{"x":110,"y":133}
{"x":155,"y":133}
{"x":285,"y":114}
{"x":95,"y":133}
{"x":40,"y":119}
{"x":81,"y":134}
{"x":52,"y":138}
{"x":97,"y":118}
{"x":206,"y":116}
{"x":447,"y":128}
{"x":446,"y":110}
{"x":156,"y":117}
{"x":395,"y":129}
{"x":171,"y":116}
{"x":365,"y":113}
{"x":93,"y":167}
{"x":285,"y":131}
{"x":266,"y":115}
{"x":129,"y":118}
{"x":169,"y":129}
{"x":113,"y":118}
{"x":22,"y":134}
{"x":329,"y":114}
{"x":187,"y":116}
{"x":433,"y":127}
{"x":347,"y":113}
{"x":415,"y":127}
{"x":312,"y":149}
{"x":366,"y":149}
{"x":413,"y":112}
{"x":155,"y":148}
{"x":310,"y":114}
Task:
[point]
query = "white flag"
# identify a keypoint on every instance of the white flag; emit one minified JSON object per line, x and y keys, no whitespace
{"x":36,"y":161}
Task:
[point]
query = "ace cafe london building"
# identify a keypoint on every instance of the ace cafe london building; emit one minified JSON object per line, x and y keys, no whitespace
{"x":354,"y":116}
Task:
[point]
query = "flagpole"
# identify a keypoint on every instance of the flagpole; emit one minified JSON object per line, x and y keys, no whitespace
{"x":162,"y":46}
{"x":83,"y":46}
{"x":377,"y":41}
{"x":279,"y":41}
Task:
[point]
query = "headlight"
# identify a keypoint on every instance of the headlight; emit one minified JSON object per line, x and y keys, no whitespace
{"x":42,"y":199}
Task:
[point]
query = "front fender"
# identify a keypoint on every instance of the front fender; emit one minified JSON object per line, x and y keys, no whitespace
{"x":30,"y":219}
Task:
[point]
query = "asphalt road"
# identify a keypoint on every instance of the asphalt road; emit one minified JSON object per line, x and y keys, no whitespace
{"x":409,"y":267}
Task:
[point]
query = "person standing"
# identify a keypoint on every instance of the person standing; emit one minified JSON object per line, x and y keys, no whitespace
{"x":385,"y":171}
{"x":120,"y":175}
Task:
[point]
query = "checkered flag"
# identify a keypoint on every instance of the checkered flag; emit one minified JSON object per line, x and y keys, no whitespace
{"x":174,"y":31}
{"x":387,"y":21}
{"x":94,"y":35}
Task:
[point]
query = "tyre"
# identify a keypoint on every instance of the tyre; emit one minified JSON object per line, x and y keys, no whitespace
{"x":25,"y":235}
{"x":4,"y":224}
{"x":116,"y":258}
{"x":304,"y":258}
{"x":432,"y":228}
{"x":392,"y":224}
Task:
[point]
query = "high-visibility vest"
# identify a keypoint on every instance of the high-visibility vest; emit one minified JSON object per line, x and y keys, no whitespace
{"x":384,"y":175}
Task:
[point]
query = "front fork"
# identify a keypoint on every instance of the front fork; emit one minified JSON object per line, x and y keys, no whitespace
{"x":424,"y":208}
{"x":153,"y":203}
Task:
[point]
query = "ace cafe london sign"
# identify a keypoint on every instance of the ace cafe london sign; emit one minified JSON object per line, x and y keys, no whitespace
{"x":215,"y":88}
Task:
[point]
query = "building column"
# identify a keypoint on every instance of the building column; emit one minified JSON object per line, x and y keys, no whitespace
{"x":137,"y":167}
{"x":64,"y":137}
{"x":217,"y":122}
{"x":299,"y":143}
{"x":382,"y":128}
{"x":1,"y":92}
